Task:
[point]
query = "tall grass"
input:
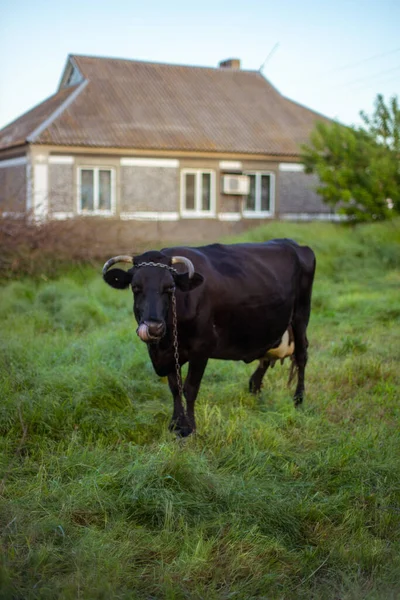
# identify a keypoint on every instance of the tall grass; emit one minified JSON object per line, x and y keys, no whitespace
{"x":98,"y":500}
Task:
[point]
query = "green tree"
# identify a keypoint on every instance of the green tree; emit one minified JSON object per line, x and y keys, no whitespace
{"x":359,"y":168}
{"x":384,"y":124}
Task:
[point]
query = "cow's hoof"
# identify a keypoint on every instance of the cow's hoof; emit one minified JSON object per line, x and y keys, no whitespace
{"x":180,"y":429}
{"x":298,"y":400}
{"x":184,"y":432}
{"x":254,"y":388}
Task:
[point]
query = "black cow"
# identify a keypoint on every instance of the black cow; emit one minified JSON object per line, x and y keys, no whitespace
{"x":238,"y":302}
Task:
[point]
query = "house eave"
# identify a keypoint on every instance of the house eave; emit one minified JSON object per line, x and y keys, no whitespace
{"x":14,"y":150}
{"x":223,"y":155}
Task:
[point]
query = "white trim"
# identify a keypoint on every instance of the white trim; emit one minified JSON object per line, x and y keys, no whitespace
{"x":257,"y":215}
{"x":61,"y":160}
{"x":261,"y":214}
{"x":229,"y":216}
{"x":197,"y":213}
{"x":40,"y":191}
{"x":61,"y":216}
{"x":96,"y":211}
{"x":312,"y":217}
{"x":149,"y":216}
{"x":230,"y":165}
{"x":16,"y":215}
{"x":291,"y":167}
{"x":169,"y":163}
{"x":13,"y":162}
{"x":29,"y":185}
{"x":47,"y":122}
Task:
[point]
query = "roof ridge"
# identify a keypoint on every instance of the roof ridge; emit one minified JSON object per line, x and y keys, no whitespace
{"x":304,"y":107}
{"x":57,"y":112}
{"x":266,"y":80}
{"x":163,"y":64}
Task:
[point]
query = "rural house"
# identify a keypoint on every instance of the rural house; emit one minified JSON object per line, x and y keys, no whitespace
{"x":142,"y":141}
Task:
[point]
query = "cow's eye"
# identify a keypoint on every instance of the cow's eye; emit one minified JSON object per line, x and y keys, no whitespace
{"x":136,"y":289}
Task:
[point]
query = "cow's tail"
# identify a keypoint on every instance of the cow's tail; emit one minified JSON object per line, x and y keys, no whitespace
{"x":293,"y":370}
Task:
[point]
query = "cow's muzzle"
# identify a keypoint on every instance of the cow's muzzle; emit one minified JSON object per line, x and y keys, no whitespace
{"x":151,"y":331}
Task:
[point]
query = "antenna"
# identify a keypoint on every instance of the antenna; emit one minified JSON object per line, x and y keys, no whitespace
{"x":274,"y":49}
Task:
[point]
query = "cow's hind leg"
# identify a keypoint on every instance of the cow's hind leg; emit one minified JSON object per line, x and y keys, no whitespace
{"x":301,"y":317}
{"x":300,"y":358}
{"x":300,"y":322}
{"x":255,"y":381}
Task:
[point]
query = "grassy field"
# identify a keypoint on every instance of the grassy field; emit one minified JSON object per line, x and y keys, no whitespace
{"x":99,"y":501}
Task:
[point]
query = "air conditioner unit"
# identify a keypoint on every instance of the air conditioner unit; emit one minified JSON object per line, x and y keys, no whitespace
{"x":236,"y":184}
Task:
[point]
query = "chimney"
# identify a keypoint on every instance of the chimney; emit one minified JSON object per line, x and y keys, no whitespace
{"x":230,"y":63}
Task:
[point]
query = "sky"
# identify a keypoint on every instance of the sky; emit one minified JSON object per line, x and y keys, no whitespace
{"x":333,"y":56}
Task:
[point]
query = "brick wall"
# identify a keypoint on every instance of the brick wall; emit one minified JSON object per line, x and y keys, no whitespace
{"x":149,"y":189}
{"x":297,"y":194}
{"x":13,"y":182}
{"x":61,"y":188}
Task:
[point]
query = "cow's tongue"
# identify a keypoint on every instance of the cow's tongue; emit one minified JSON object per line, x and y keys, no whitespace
{"x":143,"y":333}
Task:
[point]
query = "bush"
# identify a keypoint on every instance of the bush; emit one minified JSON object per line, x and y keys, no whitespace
{"x":46,"y":249}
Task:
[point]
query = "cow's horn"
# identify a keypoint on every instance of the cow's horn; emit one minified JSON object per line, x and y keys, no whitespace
{"x":188,"y":263}
{"x":117,"y":259}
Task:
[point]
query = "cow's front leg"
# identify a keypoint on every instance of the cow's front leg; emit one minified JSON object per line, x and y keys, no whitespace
{"x":179,"y":422}
{"x":192,"y":386}
{"x":183,"y":422}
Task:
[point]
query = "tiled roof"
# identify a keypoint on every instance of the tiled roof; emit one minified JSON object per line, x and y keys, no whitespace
{"x":140,"y":105}
{"x":21,"y":129}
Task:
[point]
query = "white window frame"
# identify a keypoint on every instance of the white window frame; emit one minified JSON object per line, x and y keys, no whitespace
{"x":258,"y":213}
{"x":96,"y":210}
{"x":197,"y":212}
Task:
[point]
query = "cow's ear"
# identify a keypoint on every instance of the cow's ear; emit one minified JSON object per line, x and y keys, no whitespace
{"x":184,"y":283}
{"x":118,"y":278}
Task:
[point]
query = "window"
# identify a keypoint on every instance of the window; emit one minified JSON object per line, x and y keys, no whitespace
{"x":260,"y":202}
{"x":198,"y":193}
{"x":73,"y":76}
{"x":96,"y":191}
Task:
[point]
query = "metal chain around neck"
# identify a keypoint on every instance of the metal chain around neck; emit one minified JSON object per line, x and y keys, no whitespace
{"x":176,"y":347}
{"x":154,"y":264}
{"x":174,"y":324}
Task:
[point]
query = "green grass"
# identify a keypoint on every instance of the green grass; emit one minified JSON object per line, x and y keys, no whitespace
{"x":99,"y":501}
